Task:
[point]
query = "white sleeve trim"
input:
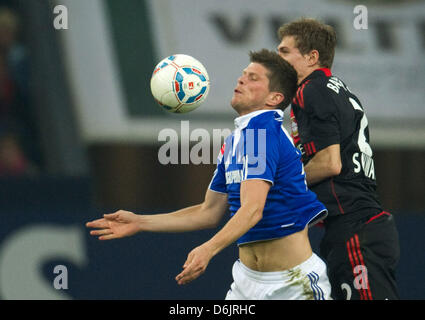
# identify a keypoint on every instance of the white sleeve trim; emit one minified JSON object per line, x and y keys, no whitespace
{"x":217,"y":191}
{"x":272,"y":182}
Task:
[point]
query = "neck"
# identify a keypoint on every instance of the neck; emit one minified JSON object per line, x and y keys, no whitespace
{"x":245,"y":112}
{"x":310,"y":70}
{"x":301,"y":77}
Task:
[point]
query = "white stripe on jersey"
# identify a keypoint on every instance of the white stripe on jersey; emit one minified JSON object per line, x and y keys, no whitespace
{"x":287,"y":135}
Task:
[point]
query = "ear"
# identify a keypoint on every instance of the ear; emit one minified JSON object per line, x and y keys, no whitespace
{"x":275,"y":98}
{"x":313,"y":58}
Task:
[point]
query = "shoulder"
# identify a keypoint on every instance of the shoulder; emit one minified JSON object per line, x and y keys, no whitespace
{"x":317,"y":87}
{"x":310,"y":91}
{"x":317,"y":96}
{"x":325,"y":87}
{"x":271,"y":121}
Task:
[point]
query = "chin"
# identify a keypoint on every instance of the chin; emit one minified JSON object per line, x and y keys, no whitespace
{"x":236,"y":106}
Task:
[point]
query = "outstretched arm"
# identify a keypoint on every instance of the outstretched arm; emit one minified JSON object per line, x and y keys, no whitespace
{"x":124,"y":223}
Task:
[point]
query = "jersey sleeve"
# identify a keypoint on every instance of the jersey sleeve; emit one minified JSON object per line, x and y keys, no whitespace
{"x":322,"y":110}
{"x":218,"y":181}
{"x":262,"y":154}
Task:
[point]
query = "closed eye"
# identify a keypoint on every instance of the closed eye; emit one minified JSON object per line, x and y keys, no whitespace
{"x":282,"y":50}
{"x":251,"y":76}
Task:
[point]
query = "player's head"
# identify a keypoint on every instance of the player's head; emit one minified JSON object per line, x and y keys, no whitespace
{"x":267,"y":82}
{"x":307,"y":44}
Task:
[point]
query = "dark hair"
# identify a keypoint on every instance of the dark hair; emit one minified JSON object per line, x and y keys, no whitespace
{"x":282,"y":76}
{"x":311,"y":34}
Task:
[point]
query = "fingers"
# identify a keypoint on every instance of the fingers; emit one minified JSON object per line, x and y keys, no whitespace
{"x":109,"y":236}
{"x":111,"y":216}
{"x":187,"y":276}
{"x":102,"y":222}
{"x":103,"y":225}
{"x":100,"y":232}
{"x":192,"y":270}
{"x":188,"y":260}
{"x":99,"y":223}
{"x":104,"y":234}
{"x":195,"y":264}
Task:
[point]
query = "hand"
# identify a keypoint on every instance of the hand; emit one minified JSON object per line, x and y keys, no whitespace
{"x":115,"y":225}
{"x":195,"y":265}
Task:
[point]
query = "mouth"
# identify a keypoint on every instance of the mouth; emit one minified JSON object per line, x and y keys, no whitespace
{"x":237,"y":91}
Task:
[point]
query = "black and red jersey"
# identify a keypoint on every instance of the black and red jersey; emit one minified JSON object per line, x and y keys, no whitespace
{"x":325,"y":112}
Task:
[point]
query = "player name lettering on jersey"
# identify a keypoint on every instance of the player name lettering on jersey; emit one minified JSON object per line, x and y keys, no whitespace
{"x":335,"y":84}
{"x":234,"y":176}
{"x":366,"y":163}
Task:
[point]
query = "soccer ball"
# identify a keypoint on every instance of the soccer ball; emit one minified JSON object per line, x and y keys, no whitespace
{"x":180,"y":83}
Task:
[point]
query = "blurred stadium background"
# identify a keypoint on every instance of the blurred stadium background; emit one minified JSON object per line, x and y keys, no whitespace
{"x":79,"y":132}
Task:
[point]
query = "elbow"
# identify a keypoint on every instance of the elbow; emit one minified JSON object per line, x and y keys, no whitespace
{"x":257,"y":215}
{"x":211,"y":221}
{"x":253,"y":213}
{"x":212,"y":224}
{"x":335,"y":168}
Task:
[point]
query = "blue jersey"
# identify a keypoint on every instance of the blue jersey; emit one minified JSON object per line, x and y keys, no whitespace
{"x":260,"y":148}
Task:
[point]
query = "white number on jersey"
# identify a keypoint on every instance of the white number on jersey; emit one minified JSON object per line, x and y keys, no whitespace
{"x":366,"y":161}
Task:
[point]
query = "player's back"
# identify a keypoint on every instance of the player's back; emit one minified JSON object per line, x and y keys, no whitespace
{"x":329,"y":113}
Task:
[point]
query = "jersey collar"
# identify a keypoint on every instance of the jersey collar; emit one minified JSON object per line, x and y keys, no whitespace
{"x":316,"y":74}
{"x":242,"y":121}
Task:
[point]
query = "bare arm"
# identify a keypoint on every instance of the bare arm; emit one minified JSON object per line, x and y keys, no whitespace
{"x":325,"y":164}
{"x":124,"y":223}
{"x":253,"y":195}
{"x":202,"y":216}
{"x":253,"y":198}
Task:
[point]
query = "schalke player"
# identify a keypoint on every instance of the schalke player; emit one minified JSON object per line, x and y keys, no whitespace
{"x":330,"y":127}
{"x":260,"y":178}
